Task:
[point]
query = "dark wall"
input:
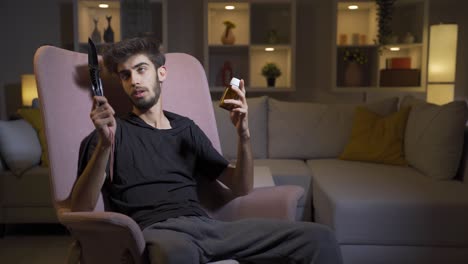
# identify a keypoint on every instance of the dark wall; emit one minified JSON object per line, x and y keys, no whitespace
{"x":28,"y":24}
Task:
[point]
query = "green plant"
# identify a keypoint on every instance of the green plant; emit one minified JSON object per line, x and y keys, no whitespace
{"x":384,"y":20}
{"x":355,"y":55}
{"x":229,"y":24}
{"x":270,"y":70}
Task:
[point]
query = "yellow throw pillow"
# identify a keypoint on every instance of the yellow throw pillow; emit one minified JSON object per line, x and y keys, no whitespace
{"x":376,"y":138}
{"x":33,"y":116}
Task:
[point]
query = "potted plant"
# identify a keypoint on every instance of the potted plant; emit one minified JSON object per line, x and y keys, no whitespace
{"x":228,"y":37}
{"x":271,"y":72}
{"x":355,"y":55}
{"x":384,"y":20}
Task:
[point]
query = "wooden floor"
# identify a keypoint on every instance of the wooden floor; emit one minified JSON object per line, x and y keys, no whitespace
{"x":38,"y":244}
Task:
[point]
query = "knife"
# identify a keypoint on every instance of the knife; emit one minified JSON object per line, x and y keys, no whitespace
{"x":93,"y":65}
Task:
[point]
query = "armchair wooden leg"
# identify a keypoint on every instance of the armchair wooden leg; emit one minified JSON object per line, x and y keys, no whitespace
{"x":3,"y":229}
{"x":74,"y":253}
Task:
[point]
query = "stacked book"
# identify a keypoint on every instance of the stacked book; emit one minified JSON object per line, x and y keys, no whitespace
{"x":398,"y":72}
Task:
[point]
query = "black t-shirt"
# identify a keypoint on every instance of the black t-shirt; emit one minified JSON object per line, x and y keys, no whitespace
{"x":155,"y":171}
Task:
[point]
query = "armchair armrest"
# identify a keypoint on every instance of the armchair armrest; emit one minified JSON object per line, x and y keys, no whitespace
{"x":278,"y":202}
{"x":105,"y":237}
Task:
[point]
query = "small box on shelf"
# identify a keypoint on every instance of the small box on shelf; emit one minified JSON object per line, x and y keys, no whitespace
{"x":400,"y":77}
{"x":399,"y":63}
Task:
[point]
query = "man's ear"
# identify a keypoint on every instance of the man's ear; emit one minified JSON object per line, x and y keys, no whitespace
{"x":162,"y":73}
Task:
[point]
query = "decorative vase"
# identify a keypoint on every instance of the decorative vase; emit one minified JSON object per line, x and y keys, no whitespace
{"x":272,"y":36}
{"x":409,"y":38}
{"x":271,"y":82}
{"x":109,"y":33}
{"x":226,"y":74}
{"x":353,"y":75}
{"x":391,"y":39}
{"x":228,"y":37}
{"x":96,"y":35}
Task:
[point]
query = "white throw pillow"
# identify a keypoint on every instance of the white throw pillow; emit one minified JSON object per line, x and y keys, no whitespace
{"x":257,"y":126}
{"x":19,"y":145}
{"x":434,"y":137}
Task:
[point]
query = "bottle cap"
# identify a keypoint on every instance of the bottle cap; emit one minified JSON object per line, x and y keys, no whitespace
{"x":235,"y":82}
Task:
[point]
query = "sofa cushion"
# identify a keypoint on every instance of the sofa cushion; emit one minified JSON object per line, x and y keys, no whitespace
{"x":434,"y":137}
{"x":33,"y":116}
{"x":376,"y":138}
{"x":291,"y":172}
{"x":19,"y":145}
{"x":311,"y":130}
{"x":32,"y":189}
{"x":257,"y":125}
{"x":368,"y":203}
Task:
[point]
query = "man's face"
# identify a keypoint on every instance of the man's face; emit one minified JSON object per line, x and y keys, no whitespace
{"x":140,"y":81}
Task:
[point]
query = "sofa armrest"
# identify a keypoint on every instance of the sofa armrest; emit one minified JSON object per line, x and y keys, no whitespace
{"x":278,"y":202}
{"x":102,"y":235}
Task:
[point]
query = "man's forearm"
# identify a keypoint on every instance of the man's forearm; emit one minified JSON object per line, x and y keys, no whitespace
{"x":243,"y":178}
{"x":88,"y":187}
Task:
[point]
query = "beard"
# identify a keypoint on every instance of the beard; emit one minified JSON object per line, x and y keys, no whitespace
{"x":143,"y":104}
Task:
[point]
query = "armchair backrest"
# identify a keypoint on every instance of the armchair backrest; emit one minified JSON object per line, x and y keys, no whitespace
{"x":64,"y":91}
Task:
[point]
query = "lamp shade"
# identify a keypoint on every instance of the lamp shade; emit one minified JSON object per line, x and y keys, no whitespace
{"x":28,"y":89}
{"x":442,"y":53}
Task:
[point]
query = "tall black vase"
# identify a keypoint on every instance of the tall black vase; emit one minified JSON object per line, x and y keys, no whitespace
{"x":109,"y":33}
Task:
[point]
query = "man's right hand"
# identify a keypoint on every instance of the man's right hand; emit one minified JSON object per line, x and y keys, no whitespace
{"x":103,"y":119}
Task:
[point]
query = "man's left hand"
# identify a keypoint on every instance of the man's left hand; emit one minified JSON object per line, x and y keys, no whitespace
{"x":239,"y":111}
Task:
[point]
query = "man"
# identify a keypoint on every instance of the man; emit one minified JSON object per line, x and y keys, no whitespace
{"x":148,"y":164}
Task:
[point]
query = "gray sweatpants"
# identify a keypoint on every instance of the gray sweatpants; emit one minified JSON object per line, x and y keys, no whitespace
{"x":193,"y":239}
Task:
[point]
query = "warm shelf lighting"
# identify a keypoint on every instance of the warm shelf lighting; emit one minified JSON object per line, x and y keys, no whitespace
{"x":442,"y":63}
{"x":395,"y":48}
{"x":28,"y":89}
{"x":269,"y":49}
{"x":353,"y":7}
{"x":229,"y":7}
{"x":103,"y":5}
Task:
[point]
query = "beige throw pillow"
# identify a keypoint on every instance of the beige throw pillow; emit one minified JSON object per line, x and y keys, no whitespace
{"x":434,"y":137}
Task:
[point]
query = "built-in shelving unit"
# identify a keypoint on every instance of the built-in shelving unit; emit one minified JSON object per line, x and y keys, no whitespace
{"x":264,"y":32}
{"x":398,"y":65}
{"x":129,"y":18}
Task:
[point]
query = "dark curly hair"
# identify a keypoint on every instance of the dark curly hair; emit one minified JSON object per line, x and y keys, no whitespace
{"x":119,"y":52}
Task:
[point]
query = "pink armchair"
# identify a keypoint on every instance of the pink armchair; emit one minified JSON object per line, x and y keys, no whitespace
{"x":108,"y":237}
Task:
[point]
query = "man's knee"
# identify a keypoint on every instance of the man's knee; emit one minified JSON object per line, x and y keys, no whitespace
{"x":173,"y":251}
{"x":319,"y":233}
{"x":323,"y":241}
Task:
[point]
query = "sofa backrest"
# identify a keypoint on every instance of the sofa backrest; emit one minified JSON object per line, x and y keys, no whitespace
{"x":312,"y":130}
{"x":258,"y":110}
{"x":294,"y":130}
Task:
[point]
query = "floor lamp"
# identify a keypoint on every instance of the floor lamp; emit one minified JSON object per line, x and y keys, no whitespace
{"x":442,"y":63}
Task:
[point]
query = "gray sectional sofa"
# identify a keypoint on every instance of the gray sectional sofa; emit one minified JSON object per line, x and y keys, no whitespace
{"x":380,"y":213}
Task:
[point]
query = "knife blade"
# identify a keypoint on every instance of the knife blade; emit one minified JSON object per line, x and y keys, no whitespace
{"x":93,"y":65}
